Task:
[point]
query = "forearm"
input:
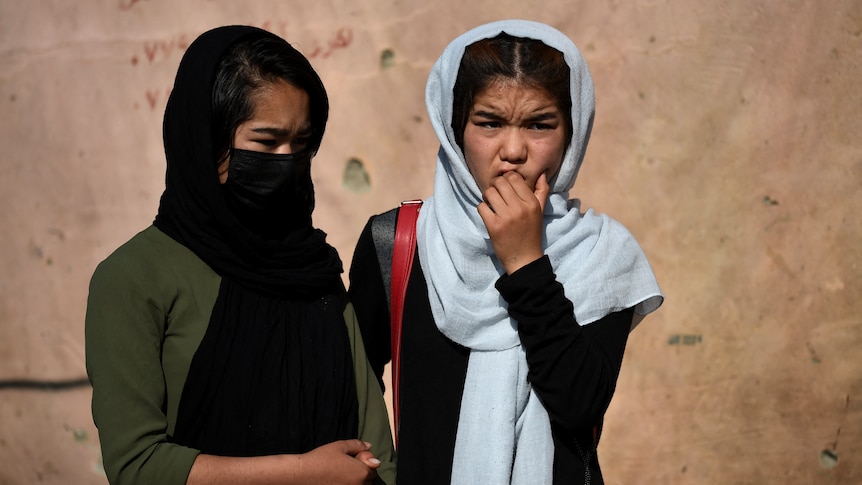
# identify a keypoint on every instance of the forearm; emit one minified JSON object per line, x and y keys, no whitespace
{"x":573,"y":369}
{"x":576,"y":373}
{"x":346,"y":462}
{"x":263,"y":470}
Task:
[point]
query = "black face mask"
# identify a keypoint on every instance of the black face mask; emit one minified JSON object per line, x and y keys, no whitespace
{"x":270,"y":194}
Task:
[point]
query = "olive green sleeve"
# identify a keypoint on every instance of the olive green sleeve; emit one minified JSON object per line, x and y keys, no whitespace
{"x":373,"y":417}
{"x":127,"y":312}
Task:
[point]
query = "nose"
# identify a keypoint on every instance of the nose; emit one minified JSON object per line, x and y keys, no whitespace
{"x":286,"y":149}
{"x":513,"y":147}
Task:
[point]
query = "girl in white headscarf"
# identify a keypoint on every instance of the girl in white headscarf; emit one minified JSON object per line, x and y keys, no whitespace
{"x":518,"y":311}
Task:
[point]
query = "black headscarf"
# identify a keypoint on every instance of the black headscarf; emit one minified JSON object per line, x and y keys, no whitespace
{"x":193,"y":210}
{"x":274,"y":371}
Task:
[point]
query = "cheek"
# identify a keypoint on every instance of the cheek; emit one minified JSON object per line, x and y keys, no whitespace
{"x":473,"y":155}
{"x":555,"y":155}
{"x":555,"y":160}
{"x":474,"y":168}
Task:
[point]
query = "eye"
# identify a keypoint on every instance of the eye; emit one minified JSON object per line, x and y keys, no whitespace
{"x":541,"y":126}
{"x":267,"y":142}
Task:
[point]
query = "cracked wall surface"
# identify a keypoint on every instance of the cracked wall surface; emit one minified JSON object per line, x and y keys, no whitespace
{"x":727,"y":139}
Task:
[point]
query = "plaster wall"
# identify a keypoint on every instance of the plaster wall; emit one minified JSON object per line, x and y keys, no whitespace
{"x":727,"y":139}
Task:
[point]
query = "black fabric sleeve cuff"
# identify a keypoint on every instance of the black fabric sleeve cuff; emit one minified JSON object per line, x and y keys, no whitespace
{"x":533,"y":293}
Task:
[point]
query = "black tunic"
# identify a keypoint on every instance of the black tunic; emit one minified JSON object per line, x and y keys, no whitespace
{"x":573,"y":369}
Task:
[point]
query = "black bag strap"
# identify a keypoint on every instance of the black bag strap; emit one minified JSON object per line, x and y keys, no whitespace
{"x":383,"y":235}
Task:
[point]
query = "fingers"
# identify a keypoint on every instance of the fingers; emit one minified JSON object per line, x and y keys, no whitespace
{"x":354,"y":447}
{"x":513,"y":187}
{"x":513,"y":213}
{"x":368,"y":459}
{"x":542,"y":190}
{"x":521,"y":188}
{"x":510,"y":191}
{"x":344,"y":461}
{"x":360,"y":450}
{"x":486,"y":213}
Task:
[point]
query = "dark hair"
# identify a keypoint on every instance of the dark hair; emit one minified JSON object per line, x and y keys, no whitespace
{"x":246,"y":67}
{"x":528,"y":62}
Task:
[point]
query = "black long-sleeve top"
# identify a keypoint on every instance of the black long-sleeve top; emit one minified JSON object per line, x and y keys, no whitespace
{"x":572,"y":368}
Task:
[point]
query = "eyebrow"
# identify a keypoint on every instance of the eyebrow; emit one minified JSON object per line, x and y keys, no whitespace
{"x":550,"y":115}
{"x":488,"y":114}
{"x":279,"y":131}
{"x":544,"y":116}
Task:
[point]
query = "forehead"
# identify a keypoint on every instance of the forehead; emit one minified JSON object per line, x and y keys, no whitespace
{"x":280,"y":101}
{"x":510,"y":94}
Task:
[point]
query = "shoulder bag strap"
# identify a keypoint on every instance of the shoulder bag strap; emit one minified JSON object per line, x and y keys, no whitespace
{"x":383,"y":235}
{"x":402,"y":261}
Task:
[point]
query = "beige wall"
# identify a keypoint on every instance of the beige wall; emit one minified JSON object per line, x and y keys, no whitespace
{"x":727,"y":139}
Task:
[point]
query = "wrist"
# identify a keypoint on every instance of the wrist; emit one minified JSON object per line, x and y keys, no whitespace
{"x":513,"y":264}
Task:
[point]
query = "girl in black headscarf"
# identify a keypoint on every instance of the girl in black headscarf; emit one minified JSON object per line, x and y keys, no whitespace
{"x":220,"y":342}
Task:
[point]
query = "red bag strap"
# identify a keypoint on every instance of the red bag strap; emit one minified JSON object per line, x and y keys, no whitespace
{"x":403,"y":250}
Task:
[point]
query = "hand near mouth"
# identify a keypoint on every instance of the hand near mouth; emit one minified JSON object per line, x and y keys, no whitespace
{"x":513,"y":215}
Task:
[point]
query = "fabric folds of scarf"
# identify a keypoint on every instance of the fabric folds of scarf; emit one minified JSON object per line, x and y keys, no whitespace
{"x":242,"y":396}
{"x":503,"y":430}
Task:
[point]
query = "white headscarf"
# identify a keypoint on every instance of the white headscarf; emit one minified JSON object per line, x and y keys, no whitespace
{"x":504,"y":432}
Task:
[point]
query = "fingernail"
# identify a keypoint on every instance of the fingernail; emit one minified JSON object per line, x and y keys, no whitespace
{"x":374,"y":460}
{"x":367,"y":444}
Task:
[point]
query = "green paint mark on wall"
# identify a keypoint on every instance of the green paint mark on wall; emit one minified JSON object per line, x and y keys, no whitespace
{"x":356,"y":178}
{"x":387,"y":58}
{"x":685,"y":339}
